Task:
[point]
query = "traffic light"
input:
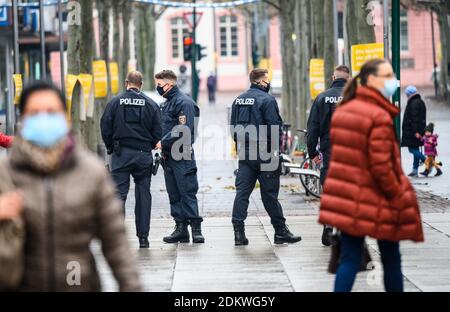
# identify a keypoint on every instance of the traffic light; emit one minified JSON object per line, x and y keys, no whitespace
{"x":188,"y":44}
{"x":199,"y":50}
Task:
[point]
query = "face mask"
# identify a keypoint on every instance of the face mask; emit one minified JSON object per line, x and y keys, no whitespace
{"x":45,"y":130}
{"x":265,"y":88}
{"x":160,"y":90}
{"x":390,"y":87}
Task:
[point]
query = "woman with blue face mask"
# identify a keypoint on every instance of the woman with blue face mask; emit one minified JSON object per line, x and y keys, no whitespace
{"x":67,"y":200}
{"x":366,"y":192}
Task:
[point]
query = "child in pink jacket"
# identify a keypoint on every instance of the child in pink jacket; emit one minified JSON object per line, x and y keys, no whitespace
{"x":430,"y":141}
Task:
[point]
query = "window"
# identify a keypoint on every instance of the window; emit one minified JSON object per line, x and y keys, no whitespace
{"x":228,"y":36}
{"x":179,"y":29}
{"x":404,"y":38}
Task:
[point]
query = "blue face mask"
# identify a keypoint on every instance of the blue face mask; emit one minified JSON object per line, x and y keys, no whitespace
{"x":45,"y":130}
{"x":390,"y":87}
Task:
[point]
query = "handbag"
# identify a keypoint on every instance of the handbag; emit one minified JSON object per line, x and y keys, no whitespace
{"x":12,"y":238}
{"x":333,"y":265}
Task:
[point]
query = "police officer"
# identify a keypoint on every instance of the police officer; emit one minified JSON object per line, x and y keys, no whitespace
{"x":319,"y":128}
{"x":131,"y":129}
{"x":179,"y":117}
{"x":257,"y":129}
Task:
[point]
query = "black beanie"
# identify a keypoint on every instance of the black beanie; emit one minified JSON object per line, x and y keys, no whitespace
{"x":430,"y":128}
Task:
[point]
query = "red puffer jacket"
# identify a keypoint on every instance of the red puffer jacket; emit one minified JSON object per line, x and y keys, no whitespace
{"x":366,"y":192}
{"x":5,"y":140}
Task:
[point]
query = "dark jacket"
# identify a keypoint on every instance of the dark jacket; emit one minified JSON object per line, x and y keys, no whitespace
{"x":134,"y":120}
{"x":320,"y":117}
{"x":258,"y":108}
{"x":414,"y":121}
{"x":179,"y":111}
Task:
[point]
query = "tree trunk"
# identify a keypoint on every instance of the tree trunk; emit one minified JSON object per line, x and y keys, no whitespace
{"x":317,"y":9}
{"x":288,"y":52}
{"x":150,"y":46}
{"x":357,"y":29}
{"x":329,"y":41}
{"x":304,"y":29}
{"x":88,"y":131}
{"x":73,"y":68}
{"x":125,"y":52}
{"x":445,"y":39}
{"x":117,"y":43}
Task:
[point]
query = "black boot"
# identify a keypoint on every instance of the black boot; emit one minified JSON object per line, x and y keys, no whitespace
{"x":197,"y":237}
{"x":144,"y":243}
{"x":426,"y":173}
{"x":180,"y":235}
{"x":439,"y":173}
{"x":284,"y":236}
{"x":327,"y":236}
{"x":239,"y":236}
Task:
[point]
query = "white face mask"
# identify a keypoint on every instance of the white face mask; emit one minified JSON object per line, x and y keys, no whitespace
{"x":390,"y":87}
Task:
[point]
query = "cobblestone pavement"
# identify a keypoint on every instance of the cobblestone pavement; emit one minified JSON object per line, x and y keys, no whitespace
{"x":220,"y":266}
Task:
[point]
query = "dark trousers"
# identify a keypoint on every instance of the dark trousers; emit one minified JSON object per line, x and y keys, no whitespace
{"x":350,"y":262}
{"x":139,"y":165}
{"x":182,"y":187}
{"x":211,"y":95}
{"x":249,"y":172}
{"x":418,"y":156}
{"x":325,"y":166}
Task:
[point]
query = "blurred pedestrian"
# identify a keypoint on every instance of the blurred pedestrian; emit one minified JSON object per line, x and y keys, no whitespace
{"x":68,"y":200}
{"x":319,"y":129}
{"x":414,"y":123}
{"x":212,"y":86}
{"x":430,"y":141}
{"x":366,"y":192}
{"x":131,"y":128}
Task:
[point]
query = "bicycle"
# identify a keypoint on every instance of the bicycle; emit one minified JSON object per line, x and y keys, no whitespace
{"x":308,"y":171}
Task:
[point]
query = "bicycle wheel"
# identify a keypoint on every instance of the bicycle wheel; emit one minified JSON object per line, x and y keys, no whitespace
{"x":311,"y":184}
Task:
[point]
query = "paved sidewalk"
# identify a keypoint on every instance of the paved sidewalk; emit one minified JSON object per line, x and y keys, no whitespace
{"x":220,"y":266}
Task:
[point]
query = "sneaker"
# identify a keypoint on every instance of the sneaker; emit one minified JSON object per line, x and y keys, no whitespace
{"x":413,"y":174}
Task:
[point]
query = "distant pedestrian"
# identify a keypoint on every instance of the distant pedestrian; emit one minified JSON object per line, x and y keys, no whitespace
{"x":366,"y":192}
{"x":68,"y":201}
{"x":430,"y":141}
{"x":414,"y":123}
{"x":212,"y":86}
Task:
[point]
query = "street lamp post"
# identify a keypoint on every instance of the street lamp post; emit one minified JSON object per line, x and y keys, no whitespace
{"x":194,"y":73}
{"x":396,"y":57}
{"x":386,"y":28}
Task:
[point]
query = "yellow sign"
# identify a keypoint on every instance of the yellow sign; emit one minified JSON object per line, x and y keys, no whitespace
{"x":71,"y":81}
{"x":88,"y":101}
{"x":114,"y":77}
{"x":361,"y":53}
{"x":18,"y":83}
{"x":100,"y":79}
{"x":316,"y":77}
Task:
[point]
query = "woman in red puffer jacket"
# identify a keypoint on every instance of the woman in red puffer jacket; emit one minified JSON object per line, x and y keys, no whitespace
{"x":366,"y":192}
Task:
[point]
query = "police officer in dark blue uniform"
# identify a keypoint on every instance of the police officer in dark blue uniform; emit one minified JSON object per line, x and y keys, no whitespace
{"x":257,"y":129}
{"x":319,"y":128}
{"x":131,"y":129}
{"x":179,"y":117}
